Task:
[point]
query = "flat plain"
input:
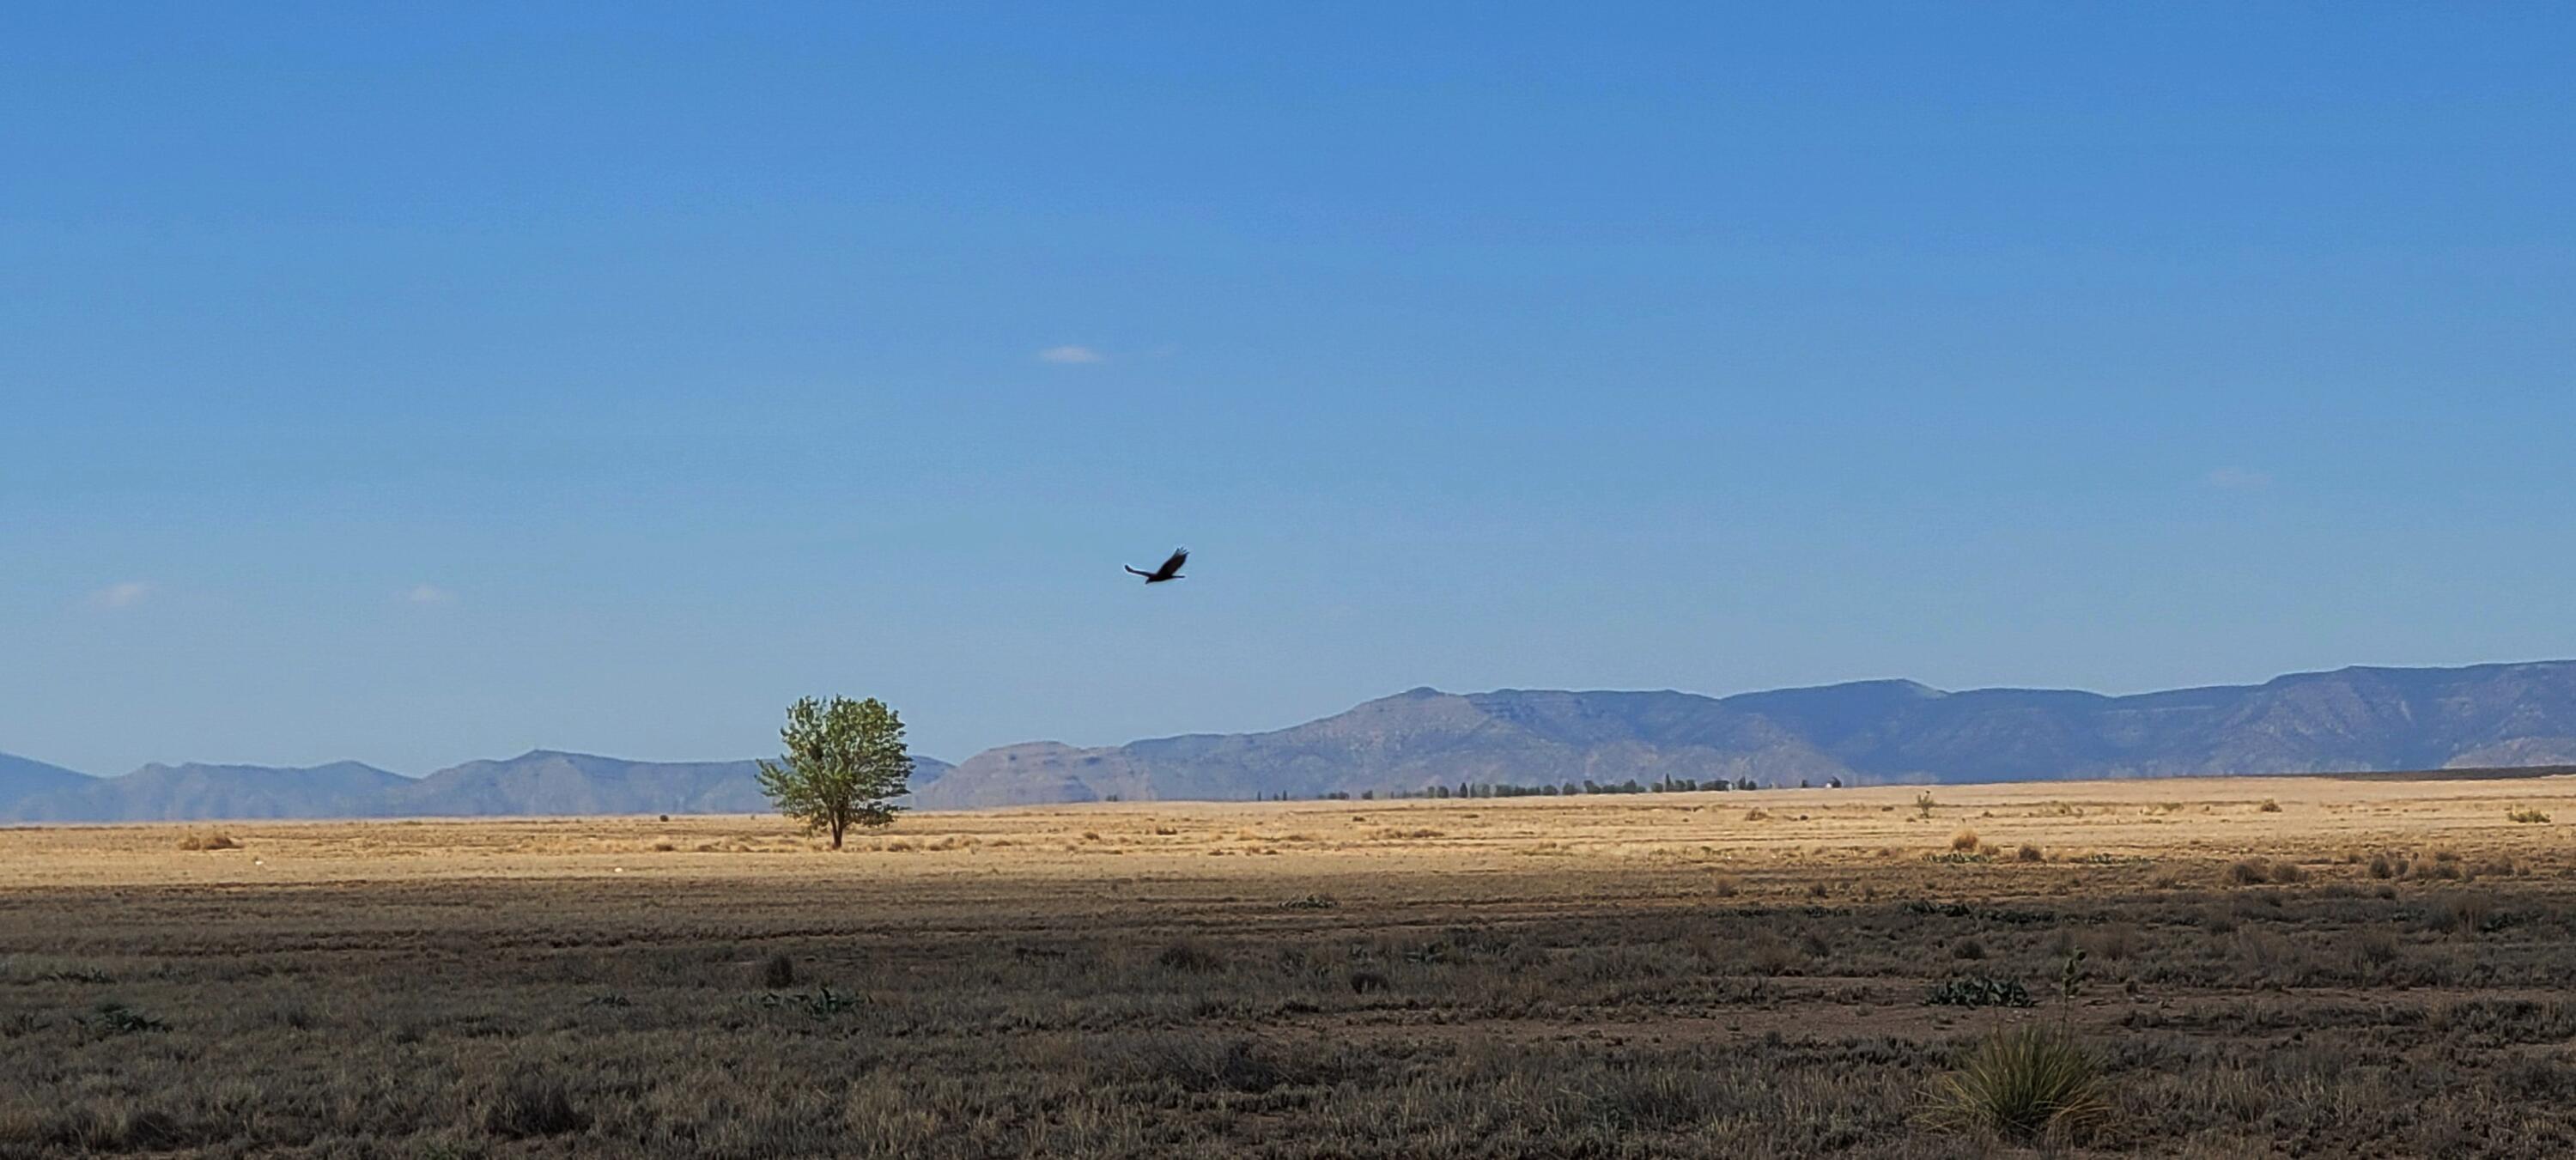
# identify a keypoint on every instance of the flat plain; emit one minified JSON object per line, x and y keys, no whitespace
{"x":2288,"y":966}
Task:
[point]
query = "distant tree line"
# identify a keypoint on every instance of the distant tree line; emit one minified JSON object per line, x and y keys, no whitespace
{"x":1473,"y":789}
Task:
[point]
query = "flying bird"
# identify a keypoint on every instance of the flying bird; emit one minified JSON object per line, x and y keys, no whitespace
{"x":1171,"y":569}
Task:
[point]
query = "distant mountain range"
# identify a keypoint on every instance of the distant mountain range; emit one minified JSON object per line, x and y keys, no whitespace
{"x":532,"y":784}
{"x":2349,"y":720}
{"x":2355,"y":719}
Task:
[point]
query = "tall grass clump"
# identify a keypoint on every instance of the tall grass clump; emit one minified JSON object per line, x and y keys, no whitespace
{"x":2022,"y":1085}
{"x":527,"y":1106}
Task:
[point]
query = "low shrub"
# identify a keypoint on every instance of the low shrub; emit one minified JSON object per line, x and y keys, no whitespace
{"x":1978,"y":991}
{"x":113,"y":1018}
{"x":1189,"y":957}
{"x":2465,"y":913}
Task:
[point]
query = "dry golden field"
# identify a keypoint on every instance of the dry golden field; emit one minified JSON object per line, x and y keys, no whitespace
{"x":2302,"y":966}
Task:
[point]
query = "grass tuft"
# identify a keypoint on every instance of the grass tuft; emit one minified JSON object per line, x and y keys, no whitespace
{"x":2023,"y":1085}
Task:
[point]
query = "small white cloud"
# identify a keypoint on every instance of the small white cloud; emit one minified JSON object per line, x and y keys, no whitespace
{"x":2237,"y":479}
{"x":428,"y":594}
{"x":125,"y":595}
{"x":1071,"y":355}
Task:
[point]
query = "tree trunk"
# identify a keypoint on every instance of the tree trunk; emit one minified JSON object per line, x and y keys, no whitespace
{"x":838,"y":825}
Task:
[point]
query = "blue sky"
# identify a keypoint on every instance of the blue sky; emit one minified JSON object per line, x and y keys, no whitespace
{"x":442,"y":381}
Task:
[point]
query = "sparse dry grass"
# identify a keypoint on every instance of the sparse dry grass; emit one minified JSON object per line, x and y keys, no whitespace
{"x":2385,"y":976}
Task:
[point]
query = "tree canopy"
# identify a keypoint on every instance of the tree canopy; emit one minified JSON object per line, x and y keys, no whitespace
{"x":844,"y":763}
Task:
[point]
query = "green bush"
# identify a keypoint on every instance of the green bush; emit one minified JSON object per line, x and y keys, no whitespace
{"x":822,"y":1004}
{"x":113,"y":1018}
{"x":1978,"y":991}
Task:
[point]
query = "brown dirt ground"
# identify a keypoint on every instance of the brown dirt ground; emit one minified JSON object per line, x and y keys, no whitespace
{"x":2288,"y":966}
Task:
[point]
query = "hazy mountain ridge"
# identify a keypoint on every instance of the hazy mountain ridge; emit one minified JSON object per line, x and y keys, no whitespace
{"x":537,"y":783}
{"x":22,"y":779}
{"x":2354,"y":719}
{"x":183,"y":792}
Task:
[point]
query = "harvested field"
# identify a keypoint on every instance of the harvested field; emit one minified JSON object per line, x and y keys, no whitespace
{"x":2369,"y":967}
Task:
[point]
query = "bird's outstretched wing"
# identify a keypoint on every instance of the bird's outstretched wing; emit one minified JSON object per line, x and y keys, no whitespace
{"x":1132,"y":571}
{"x":1172,"y":566}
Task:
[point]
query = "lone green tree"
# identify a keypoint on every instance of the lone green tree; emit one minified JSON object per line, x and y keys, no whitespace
{"x":844,"y":762}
